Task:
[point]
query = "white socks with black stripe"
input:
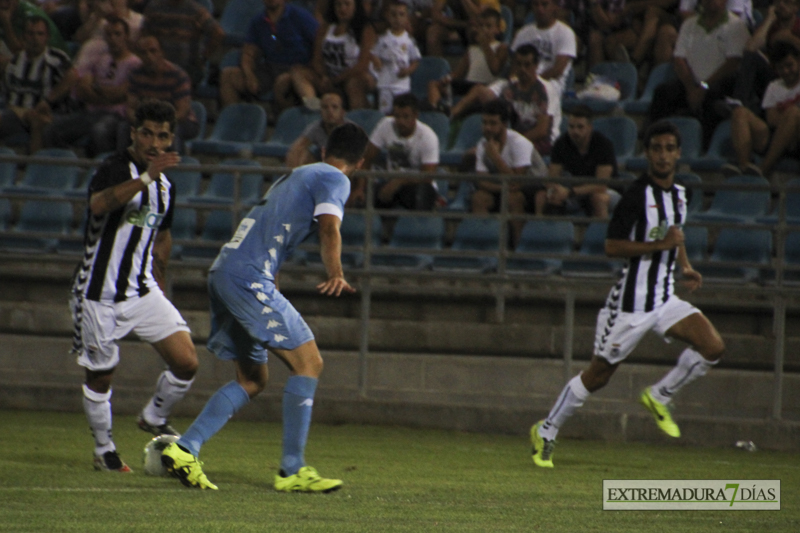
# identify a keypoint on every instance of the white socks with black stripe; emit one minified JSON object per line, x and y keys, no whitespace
{"x":572,"y":397}
{"x":97,"y":406}
{"x":169,"y":391}
{"x":691,"y":365}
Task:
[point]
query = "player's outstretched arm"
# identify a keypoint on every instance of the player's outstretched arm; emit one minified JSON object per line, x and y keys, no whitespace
{"x":692,"y":279}
{"x":330,"y":246}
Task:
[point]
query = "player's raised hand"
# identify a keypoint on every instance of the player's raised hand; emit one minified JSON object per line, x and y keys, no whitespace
{"x":335,"y":286}
{"x":161,"y":162}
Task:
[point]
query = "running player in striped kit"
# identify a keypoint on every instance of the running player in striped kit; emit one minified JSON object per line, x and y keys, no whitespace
{"x":646,"y":230}
{"x":118,"y":286}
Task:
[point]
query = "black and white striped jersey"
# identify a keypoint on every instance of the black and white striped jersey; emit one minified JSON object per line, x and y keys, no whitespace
{"x":644,"y":214}
{"x":117,"y":261}
{"x":28,"y":80}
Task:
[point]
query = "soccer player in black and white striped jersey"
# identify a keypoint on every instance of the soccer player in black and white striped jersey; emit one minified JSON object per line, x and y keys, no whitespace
{"x":118,"y":287}
{"x":646,"y":230}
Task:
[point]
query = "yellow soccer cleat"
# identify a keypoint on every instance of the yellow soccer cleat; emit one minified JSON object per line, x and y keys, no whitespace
{"x":660,"y":413}
{"x":185,"y":467}
{"x":306,"y":480}
{"x":542,"y":450}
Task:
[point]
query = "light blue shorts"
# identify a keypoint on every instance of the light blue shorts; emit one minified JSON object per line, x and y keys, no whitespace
{"x":248,"y":316}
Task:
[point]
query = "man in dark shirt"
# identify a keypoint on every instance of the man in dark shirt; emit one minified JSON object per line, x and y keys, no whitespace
{"x":581,"y":152}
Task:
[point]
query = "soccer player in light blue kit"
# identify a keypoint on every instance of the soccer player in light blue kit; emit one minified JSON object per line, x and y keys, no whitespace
{"x":249,"y":315}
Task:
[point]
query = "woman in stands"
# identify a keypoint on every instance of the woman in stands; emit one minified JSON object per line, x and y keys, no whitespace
{"x":341,"y":57}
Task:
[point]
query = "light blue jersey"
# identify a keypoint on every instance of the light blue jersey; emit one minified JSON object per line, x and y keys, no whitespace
{"x":284,"y":218}
{"x":248,"y":314}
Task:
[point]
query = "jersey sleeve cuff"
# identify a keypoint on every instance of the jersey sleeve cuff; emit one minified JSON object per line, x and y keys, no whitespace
{"x":328,"y":209}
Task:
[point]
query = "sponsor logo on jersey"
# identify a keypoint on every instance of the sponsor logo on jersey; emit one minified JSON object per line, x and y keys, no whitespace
{"x":143,"y":218}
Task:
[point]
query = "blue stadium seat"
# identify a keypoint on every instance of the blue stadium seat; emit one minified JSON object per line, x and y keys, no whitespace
{"x":366,"y":118}
{"x":622,"y":132}
{"x":8,"y":171}
{"x":623,"y":73}
{"x":696,"y":242}
{"x":235,"y":19}
{"x":411,"y":232}
{"x":593,"y":246}
{"x":792,"y":207}
{"x":353,"y":229}
{"x":6,"y":214}
{"x":737,"y":206}
{"x":220,"y":188}
{"x":791,"y":256}
{"x":430,"y":69}
{"x":691,"y":143}
{"x":218,"y":228}
{"x":202,"y":119}
{"x":479,"y":234}
{"x":52,"y":180}
{"x":186,"y":182}
{"x":184,"y":227}
{"x":440,"y":124}
{"x":73,"y":245}
{"x":468,"y":136}
{"x":238,"y":127}
{"x":740,"y":245}
{"x":555,"y":237}
{"x":720,"y":150}
{"x":291,"y":123}
{"x":39,"y":216}
{"x":660,"y":74}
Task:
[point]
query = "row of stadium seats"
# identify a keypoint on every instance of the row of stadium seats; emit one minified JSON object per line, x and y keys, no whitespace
{"x":420,"y":234}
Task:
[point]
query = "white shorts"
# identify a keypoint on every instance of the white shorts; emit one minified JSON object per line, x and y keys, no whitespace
{"x":99,"y":325}
{"x":618,"y":333}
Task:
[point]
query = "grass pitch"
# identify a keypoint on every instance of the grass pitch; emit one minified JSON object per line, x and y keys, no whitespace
{"x":396,"y":479}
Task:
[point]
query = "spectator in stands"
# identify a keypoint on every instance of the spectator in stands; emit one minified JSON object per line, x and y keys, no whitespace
{"x":781,"y":24}
{"x":187,"y":32}
{"x":707,"y":56}
{"x":410,"y":145}
{"x":91,"y":33}
{"x":536,"y":103}
{"x":449,"y":22}
{"x":750,"y":133}
{"x":307,"y":148}
{"x":741,"y":8}
{"x":649,"y":32}
{"x":277,"y":39}
{"x":37,"y":83}
{"x":102,"y":86}
{"x":502,"y":150}
{"x":395,"y":56}
{"x":580,"y":152}
{"x":341,"y":60}
{"x":13,"y":15}
{"x":554,"y":40}
{"x":593,"y":21}
{"x":481,"y":64}
{"x":159,"y":79}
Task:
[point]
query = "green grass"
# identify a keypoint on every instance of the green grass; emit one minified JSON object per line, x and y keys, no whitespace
{"x":396,"y":479}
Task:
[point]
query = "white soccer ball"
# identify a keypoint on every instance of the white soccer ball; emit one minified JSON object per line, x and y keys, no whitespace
{"x":151,"y":456}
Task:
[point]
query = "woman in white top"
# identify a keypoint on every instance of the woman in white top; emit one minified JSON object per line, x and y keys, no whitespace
{"x":341,"y":57}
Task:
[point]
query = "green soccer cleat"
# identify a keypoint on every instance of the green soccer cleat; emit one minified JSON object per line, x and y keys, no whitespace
{"x":306,"y":480}
{"x":542,"y":451}
{"x":660,"y":413}
{"x":185,"y":467}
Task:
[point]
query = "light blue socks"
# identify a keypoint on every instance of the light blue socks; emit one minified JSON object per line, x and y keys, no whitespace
{"x":219,"y":409}
{"x":298,"y":401}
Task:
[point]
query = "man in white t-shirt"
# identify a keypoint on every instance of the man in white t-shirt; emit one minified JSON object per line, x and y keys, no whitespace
{"x":409,"y":145}
{"x":707,"y":56}
{"x":750,"y":133}
{"x":554,"y":40}
{"x":502,"y":150}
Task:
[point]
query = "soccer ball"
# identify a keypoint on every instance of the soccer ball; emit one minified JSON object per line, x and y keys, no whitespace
{"x":151,"y":456}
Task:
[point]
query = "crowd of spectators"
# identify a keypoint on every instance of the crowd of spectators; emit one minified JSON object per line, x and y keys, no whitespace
{"x":73,"y":71}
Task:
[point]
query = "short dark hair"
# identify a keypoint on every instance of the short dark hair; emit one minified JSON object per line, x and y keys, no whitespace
{"x":662,"y":127}
{"x":491,"y":13}
{"x":347,"y":142}
{"x":528,"y":50}
{"x":498,"y":107}
{"x":406,"y":100}
{"x":32,"y":19}
{"x":113,"y":19}
{"x":581,"y":111}
{"x":158,"y":111}
{"x":780,"y":50}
